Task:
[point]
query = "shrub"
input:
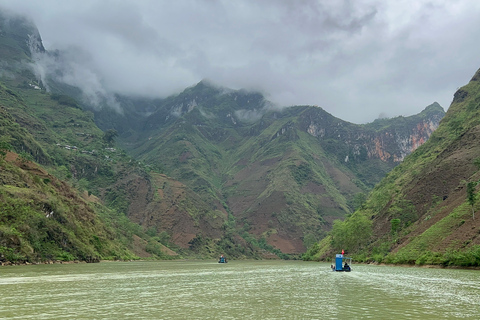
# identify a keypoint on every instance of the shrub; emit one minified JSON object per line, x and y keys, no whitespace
{"x":351,"y":234}
{"x":395,"y":225}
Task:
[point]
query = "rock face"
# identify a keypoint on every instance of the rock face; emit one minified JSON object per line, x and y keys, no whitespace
{"x":398,"y":137}
{"x":403,"y":143}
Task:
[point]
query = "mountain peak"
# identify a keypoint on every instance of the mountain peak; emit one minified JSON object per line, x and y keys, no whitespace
{"x":18,"y":36}
{"x":205,"y":86}
{"x":207,"y":83}
{"x":434,"y":108}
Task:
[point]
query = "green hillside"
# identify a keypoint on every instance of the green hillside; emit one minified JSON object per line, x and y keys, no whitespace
{"x":44,"y":219}
{"x":49,"y":209}
{"x":423,"y":212}
{"x":55,"y":165}
{"x":207,"y":171}
{"x":278,"y":177}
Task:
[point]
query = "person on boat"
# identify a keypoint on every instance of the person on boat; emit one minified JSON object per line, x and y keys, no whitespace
{"x":346,"y":266}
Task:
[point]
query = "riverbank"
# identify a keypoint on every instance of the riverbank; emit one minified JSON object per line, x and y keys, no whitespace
{"x":427,"y":266}
{"x":9,"y":263}
{"x":26,"y":263}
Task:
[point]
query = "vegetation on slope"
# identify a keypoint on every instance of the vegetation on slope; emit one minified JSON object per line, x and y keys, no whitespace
{"x":423,"y":211}
{"x":44,"y":219}
{"x":248,"y":180}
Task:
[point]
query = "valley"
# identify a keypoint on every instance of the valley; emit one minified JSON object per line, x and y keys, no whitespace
{"x":213,"y":170}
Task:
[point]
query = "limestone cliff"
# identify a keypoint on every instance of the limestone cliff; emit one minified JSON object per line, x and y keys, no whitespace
{"x":389,"y":140}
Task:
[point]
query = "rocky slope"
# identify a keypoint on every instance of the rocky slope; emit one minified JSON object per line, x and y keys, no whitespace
{"x":280,"y":176}
{"x":210,"y":169}
{"x":421,"y":212}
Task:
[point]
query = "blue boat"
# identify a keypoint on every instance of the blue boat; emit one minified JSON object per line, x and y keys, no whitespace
{"x":341,"y":263}
{"x":222,"y":259}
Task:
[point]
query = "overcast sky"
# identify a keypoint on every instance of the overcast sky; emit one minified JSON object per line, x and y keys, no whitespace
{"x":357,"y":59}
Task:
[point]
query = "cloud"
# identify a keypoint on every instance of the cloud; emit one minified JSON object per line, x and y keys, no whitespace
{"x":70,"y":67}
{"x":356,"y":59}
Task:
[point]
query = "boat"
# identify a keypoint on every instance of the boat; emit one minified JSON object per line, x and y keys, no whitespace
{"x":341,"y":263}
{"x":222,"y":259}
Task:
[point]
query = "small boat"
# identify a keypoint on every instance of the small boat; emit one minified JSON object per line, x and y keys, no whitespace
{"x":222,"y":259}
{"x":341,"y":263}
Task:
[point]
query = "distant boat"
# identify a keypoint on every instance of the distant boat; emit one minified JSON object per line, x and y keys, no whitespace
{"x":341,"y":263}
{"x":222,"y":259}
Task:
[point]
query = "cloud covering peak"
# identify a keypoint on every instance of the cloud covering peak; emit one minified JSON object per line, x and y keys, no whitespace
{"x":355,"y":59}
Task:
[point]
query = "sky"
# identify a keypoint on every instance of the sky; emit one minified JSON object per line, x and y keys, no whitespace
{"x":357,"y":59}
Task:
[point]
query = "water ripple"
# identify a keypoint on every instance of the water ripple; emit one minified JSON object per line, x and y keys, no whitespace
{"x":238,"y":290}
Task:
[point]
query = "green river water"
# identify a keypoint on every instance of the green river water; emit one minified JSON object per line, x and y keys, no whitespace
{"x":236,"y":290}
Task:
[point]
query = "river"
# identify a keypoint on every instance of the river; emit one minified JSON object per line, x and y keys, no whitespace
{"x":236,"y":290}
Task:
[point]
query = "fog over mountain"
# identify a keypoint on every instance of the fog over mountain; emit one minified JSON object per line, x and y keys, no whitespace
{"x":356,"y":59}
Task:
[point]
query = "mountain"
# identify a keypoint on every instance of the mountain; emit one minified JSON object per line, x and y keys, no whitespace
{"x":278,"y":177}
{"x":423,"y":211}
{"x":209,"y":170}
{"x":51,"y":153}
{"x":46,"y":212}
{"x":45,"y":219}
{"x":17,"y":37}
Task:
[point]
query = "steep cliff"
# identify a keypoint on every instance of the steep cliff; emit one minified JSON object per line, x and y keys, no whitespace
{"x":389,"y":140}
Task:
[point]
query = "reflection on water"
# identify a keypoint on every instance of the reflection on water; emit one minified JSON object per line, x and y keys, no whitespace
{"x":237,"y":290}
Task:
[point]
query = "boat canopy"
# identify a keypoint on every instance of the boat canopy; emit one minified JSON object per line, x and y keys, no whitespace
{"x":342,"y":263}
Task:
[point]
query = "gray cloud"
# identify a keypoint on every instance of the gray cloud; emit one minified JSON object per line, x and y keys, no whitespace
{"x":69,"y":67}
{"x":356,"y":59}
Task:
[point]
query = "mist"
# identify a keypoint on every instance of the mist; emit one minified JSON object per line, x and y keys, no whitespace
{"x":356,"y":59}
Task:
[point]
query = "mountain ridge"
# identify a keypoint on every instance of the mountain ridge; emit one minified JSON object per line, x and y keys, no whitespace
{"x":224,"y":151}
{"x":211,"y":170}
{"x":423,"y":211}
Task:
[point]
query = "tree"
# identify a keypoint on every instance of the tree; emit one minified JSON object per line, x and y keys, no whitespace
{"x":476,"y":162}
{"x":309,"y":239}
{"x":25,"y":157}
{"x":359,"y":200}
{"x":4,"y":147}
{"x":471,"y":196}
{"x":351,"y":234}
{"x":395,"y":225}
{"x":109,"y":137}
